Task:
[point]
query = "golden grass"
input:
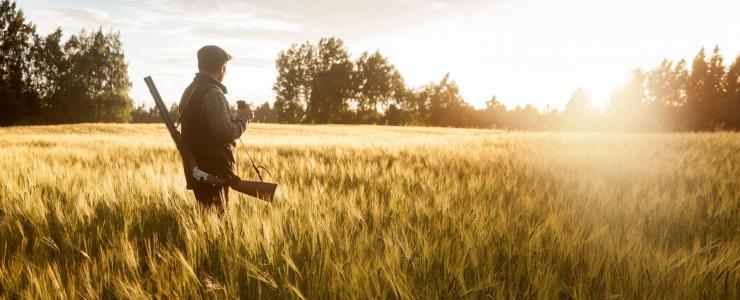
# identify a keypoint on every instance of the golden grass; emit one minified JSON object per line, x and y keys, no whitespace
{"x":100,"y":211}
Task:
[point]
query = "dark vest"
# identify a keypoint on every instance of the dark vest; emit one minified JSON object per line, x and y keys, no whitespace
{"x":211,"y":156}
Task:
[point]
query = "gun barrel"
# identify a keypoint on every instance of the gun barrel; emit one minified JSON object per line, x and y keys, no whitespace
{"x":188,"y":162}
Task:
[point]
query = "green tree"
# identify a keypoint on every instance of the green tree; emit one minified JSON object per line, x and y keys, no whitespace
{"x":97,"y":84}
{"x":49,"y":66}
{"x":314,"y":83}
{"x":142,"y":114}
{"x":440,"y":104}
{"x":417,"y":105}
{"x":715,"y":90}
{"x":332,"y":84}
{"x":377,"y":82}
{"x":732,"y":79}
{"x":294,"y":83}
{"x":579,"y":102}
{"x":494,"y":115}
{"x":523,"y":118}
{"x":579,"y":113}
{"x":394,"y":115}
{"x":666,"y":95}
{"x":729,"y":105}
{"x":699,"y":104}
{"x":17,"y":99}
{"x":264,"y":114}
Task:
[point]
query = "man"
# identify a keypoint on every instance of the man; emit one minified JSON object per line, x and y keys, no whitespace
{"x":208,"y":129}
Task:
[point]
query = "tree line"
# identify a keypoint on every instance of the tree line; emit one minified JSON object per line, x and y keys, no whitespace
{"x":45,"y":80}
{"x":320,"y":83}
{"x":672,"y":97}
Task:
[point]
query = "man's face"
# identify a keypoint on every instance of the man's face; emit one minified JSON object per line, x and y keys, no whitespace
{"x":221,"y":73}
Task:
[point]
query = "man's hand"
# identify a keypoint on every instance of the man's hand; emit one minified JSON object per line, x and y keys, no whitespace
{"x":244,"y":110}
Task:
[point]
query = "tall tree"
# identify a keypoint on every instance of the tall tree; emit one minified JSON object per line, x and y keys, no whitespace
{"x":444,"y":105}
{"x":729,"y":106}
{"x":377,"y":82}
{"x":294,"y":83}
{"x":494,"y":115}
{"x":96,"y":87}
{"x":732,"y":79}
{"x":394,"y":115}
{"x":17,"y":99}
{"x":49,"y":66}
{"x":523,"y":118}
{"x":264,"y":114}
{"x":666,"y":96}
{"x":332,"y":85}
{"x":416,"y":103}
{"x":579,"y":102}
{"x":715,"y":90}
{"x":579,"y":112}
{"x":697,"y":103}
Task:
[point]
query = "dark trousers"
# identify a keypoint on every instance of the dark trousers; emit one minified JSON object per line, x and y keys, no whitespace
{"x":209,"y":196}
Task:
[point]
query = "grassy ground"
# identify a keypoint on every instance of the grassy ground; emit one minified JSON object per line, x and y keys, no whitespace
{"x":100,"y":211}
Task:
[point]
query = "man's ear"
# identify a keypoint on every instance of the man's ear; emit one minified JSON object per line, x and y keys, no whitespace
{"x":221,"y":73}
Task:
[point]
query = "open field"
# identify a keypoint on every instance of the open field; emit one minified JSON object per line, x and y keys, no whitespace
{"x":100,"y":211}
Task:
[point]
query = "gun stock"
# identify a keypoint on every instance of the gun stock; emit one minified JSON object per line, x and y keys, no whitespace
{"x":260,"y":190}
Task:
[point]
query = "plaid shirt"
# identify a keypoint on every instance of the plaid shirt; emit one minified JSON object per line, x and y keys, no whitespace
{"x":216,"y":109}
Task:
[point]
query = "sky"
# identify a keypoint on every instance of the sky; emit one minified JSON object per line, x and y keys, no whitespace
{"x":522,"y":51}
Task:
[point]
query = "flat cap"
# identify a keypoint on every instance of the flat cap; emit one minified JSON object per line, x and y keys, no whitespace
{"x":212,"y":57}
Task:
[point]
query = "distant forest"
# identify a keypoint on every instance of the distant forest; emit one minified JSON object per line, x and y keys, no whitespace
{"x":319,"y":84}
{"x":45,"y":80}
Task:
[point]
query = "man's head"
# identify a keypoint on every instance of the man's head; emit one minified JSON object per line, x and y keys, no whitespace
{"x":212,"y":61}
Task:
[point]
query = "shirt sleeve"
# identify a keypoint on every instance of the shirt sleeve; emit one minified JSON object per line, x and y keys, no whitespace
{"x":216,"y":109}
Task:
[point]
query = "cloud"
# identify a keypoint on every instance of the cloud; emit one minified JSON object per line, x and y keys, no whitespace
{"x":74,"y":19}
{"x":175,"y":60}
{"x":240,"y":32}
{"x":336,"y":16}
{"x":250,"y":61}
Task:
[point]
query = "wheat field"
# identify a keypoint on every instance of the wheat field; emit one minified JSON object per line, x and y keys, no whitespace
{"x":100,"y":211}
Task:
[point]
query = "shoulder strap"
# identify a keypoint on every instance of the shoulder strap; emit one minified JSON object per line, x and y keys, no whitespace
{"x":186,"y":106}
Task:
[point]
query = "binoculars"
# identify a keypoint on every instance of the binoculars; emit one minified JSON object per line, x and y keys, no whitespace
{"x":241,"y":104}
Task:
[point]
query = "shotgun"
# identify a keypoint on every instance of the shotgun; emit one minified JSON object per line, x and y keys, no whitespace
{"x":258,"y":189}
